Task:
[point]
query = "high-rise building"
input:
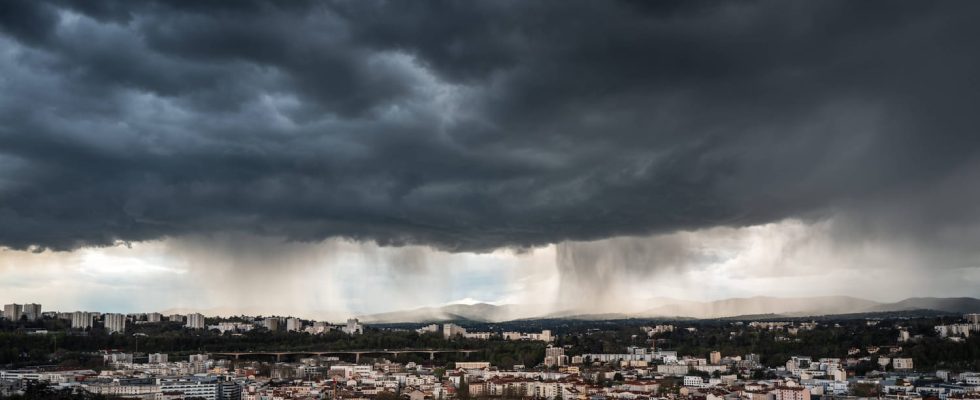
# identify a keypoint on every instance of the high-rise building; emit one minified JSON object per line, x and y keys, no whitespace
{"x":81,"y":320}
{"x":272,"y":324}
{"x":195,"y":321}
{"x":451,"y":330}
{"x":972,"y":318}
{"x":714,"y":358}
{"x":294,"y":325}
{"x":554,"y":356}
{"x":154,"y":317}
{"x":353,"y":327}
{"x":32,"y":311}
{"x":13,"y":311}
{"x":175,"y":318}
{"x":115,"y":323}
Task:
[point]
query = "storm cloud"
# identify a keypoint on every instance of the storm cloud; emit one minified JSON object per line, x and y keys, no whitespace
{"x":471,"y":126}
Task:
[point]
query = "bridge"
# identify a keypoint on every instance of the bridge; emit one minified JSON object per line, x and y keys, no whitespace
{"x":357,"y":353}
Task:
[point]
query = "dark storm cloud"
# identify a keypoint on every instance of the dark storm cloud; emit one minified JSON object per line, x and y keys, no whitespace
{"x":476,"y":125}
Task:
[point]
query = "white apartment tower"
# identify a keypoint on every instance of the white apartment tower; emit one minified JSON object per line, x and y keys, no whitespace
{"x":195,"y":321}
{"x":115,"y":323}
{"x":32,"y":311}
{"x":451,"y":330}
{"x":154,"y":317}
{"x":353,"y":327}
{"x":554,"y":356}
{"x":12,"y":311}
{"x":81,"y":320}
{"x":294,"y":325}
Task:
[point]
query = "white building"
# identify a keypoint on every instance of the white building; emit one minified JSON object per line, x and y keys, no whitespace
{"x":13,"y":311}
{"x":157,"y":358}
{"x":954,"y":330}
{"x":198,"y":358}
{"x":451,"y":330}
{"x":902,"y":363}
{"x":472,"y":364}
{"x":544,"y":336}
{"x":115,"y":358}
{"x":272,"y":324}
{"x":353,"y":327}
{"x":32,"y":311}
{"x":154,"y":317}
{"x":294,"y":325}
{"x":206,"y":388}
{"x":195,"y":321}
{"x":81,"y":320}
{"x":232,"y":327}
{"x":555,"y":356}
{"x":115,"y":323}
{"x":694,"y":381}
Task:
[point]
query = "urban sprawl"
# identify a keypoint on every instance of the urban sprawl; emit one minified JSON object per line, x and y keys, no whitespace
{"x":272,"y":358}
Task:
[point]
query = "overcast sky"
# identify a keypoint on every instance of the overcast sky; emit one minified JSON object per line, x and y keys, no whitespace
{"x":310,"y":155}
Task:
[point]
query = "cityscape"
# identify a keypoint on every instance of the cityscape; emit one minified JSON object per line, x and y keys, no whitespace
{"x":896,"y":355}
{"x":489,"y":200}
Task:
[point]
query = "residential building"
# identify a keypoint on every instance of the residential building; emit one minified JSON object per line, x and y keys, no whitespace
{"x":353,"y":327}
{"x":272,"y":324}
{"x":154,"y":317}
{"x":13,"y":311}
{"x":694,"y":381}
{"x":81,"y":320}
{"x":714,"y":358}
{"x":205,"y":388}
{"x":32,"y":311}
{"x":902,"y":364}
{"x":472,"y":364}
{"x":544,"y":336}
{"x":195,"y":321}
{"x":294,"y":325}
{"x":791,"y":393}
{"x":114,"y":323}
{"x":554,"y":356}
{"x":157,"y":358}
{"x":175,"y":318}
{"x":451,"y":330}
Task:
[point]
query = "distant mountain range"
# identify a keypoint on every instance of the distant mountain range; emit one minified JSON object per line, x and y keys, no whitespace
{"x":683,"y":309}
{"x":482,"y":312}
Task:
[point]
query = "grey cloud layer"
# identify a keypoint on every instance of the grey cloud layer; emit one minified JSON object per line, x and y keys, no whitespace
{"x":476,"y":125}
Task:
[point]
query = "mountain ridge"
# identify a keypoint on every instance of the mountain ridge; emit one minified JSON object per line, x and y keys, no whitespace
{"x":789,"y":307}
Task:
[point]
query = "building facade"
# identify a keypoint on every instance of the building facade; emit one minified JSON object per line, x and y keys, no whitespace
{"x":195,"y":321}
{"x":115,"y":323}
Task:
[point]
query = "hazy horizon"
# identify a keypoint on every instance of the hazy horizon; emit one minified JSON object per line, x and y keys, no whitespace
{"x":336,"y":158}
